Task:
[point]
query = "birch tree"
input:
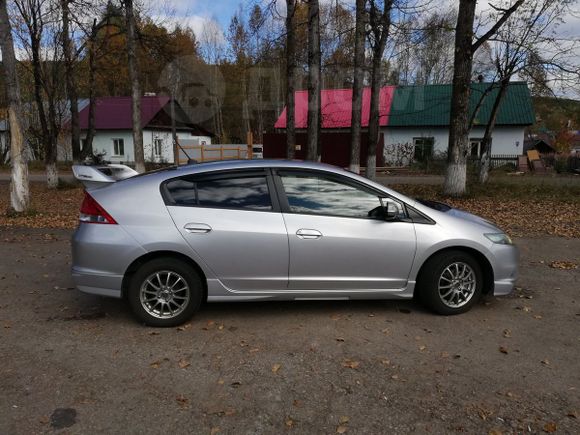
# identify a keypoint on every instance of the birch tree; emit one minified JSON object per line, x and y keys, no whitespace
{"x":358,"y":83}
{"x":313,"y":151}
{"x":290,"y":78}
{"x":135,"y":86}
{"x":19,"y":193}
{"x":465,"y":47}
{"x":379,"y":24}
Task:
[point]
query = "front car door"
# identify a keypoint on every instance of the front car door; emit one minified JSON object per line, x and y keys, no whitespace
{"x":233,"y":222}
{"x":336,"y":241}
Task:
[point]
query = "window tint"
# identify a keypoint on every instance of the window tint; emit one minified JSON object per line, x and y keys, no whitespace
{"x":242,"y":192}
{"x":319,"y":195}
{"x":181,"y":192}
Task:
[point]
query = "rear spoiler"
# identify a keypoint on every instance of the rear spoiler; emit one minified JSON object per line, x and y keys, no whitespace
{"x":102,"y":175}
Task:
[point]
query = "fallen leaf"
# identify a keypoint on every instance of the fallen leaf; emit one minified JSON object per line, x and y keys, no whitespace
{"x":537,"y":316}
{"x":220,"y":381}
{"x":550,"y":427}
{"x":155,"y":364}
{"x":495,"y":432}
{"x":422,"y":347}
{"x":214,"y":430}
{"x":563,"y":265}
{"x":385,"y":362}
{"x":343,"y":419}
{"x":276,"y":367}
{"x":546,"y":362}
{"x":350,"y":364}
{"x":297,"y":403}
{"x":182,"y":400}
{"x":507,"y":333}
{"x":573,"y":414}
{"x":395,"y":377}
{"x":289,"y":422}
{"x":339,"y":339}
{"x":184,"y":363}
{"x":503,"y":349}
{"x":341,"y":429}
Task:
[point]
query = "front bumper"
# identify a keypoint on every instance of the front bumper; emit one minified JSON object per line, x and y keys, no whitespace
{"x":505,"y":265}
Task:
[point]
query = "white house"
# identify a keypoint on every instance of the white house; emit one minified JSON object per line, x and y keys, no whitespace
{"x":114,"y":134}
{"x":414,"y":122}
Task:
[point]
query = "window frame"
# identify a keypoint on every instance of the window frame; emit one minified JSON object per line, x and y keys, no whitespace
{"x":115,"y":139}
{"x":422,"y":139}
{"x":472,"y":142}
{"x":278,"y":173}
{"x":222,"y":175}
{"x":157,"y":140}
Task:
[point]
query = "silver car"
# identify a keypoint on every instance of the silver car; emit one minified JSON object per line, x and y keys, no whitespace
{"x":278,"y":230}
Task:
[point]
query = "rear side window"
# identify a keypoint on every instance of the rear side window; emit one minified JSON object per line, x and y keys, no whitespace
{"x":244,"y":192}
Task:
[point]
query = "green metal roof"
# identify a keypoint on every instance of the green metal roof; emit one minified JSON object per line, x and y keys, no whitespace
{"x":430,"y":105}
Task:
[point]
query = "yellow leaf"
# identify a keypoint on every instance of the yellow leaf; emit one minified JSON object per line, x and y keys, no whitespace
{"x":350,"y":364}
{"x":276,"y":367}
{"x":184,"y":363}
{"x":341,"y":429}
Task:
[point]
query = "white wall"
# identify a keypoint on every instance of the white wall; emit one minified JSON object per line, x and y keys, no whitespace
{"x":505,"y":140}
{"x":103,"y":142}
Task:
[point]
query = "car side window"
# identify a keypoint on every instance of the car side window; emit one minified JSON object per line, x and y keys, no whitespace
{"x":316,"y":194}
{"x":244,"y":192}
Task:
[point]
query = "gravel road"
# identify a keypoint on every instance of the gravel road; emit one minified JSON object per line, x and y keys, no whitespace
{"x":75,"y":363}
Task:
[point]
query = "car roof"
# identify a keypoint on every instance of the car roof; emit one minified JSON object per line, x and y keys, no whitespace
{"x":259,"y":163}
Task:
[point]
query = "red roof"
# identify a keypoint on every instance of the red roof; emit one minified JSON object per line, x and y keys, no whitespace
{"x":337,"y":108}
{"x":114,"y":113}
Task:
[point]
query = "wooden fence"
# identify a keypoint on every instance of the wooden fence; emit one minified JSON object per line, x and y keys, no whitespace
{"x":210,"y":153}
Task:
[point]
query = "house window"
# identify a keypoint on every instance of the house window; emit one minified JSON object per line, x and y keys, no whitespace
{"x":158,"y":147}
{"x":118,"y":147}
{"x":475,"y":147}
{"x":423,"y":148}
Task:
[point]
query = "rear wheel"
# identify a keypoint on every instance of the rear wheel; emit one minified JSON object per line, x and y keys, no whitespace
{"x":165,"y":292}
{"x":450,"y":282}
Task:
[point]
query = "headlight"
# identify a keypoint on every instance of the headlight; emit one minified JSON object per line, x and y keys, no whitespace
{"x":501,"y":238}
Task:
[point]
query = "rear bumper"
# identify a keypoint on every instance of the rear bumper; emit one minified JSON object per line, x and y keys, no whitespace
{"x":97,"y":284}
{"x":100,"y":255}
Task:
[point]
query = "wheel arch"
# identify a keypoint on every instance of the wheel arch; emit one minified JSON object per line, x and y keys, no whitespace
{"x":138,"y":262}
{"x":484,"y":263}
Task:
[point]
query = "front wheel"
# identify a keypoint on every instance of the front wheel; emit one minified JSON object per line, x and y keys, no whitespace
{"x":165,"y":292}
{"x":450,"y":283}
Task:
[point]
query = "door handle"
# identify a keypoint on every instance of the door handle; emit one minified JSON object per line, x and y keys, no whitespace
{"x":195,"y":228}
{"x":307,"y":234}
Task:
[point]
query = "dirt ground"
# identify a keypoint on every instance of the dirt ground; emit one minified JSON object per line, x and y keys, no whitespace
{"x":75,"y":363}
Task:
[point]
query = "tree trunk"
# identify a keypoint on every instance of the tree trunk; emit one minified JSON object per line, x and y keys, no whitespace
{"x":314,"y":107}
{"x":380,"y":23}
{"x":46,"y":123}
{"x":374,"y":118}
{"x":290,"y":79}
{"x":87,"y":150}
{"x":486,"y":141}
{"x":456,"y":176}
{"x":357,"y":90}
{"x":71,"y":82}
{"x":19,"y":192}
{"x":135,"y":87}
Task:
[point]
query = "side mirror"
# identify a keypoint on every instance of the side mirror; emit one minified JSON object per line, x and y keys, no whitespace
{"x":391,"y":209}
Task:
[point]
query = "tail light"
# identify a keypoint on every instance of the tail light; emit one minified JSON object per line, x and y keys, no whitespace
{"x":93,"y":213}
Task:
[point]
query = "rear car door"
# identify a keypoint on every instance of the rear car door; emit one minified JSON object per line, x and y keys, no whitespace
{"x":233,"y":222}
{"x":335,"y":242}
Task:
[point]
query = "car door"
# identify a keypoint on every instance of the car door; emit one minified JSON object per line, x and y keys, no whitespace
{"x":335,"y":242}
{"x":233,"y":222}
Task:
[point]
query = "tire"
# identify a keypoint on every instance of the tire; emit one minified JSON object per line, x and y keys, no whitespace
{"x":165,"y":292}
{"x":450,"y":283}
